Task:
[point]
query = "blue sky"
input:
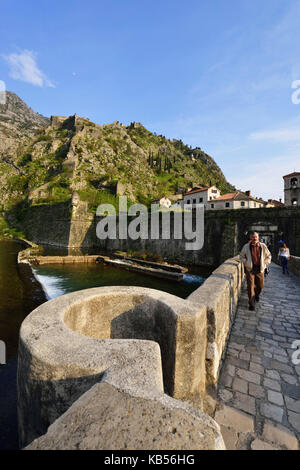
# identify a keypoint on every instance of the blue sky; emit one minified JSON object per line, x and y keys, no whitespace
{"x":217,"y":74}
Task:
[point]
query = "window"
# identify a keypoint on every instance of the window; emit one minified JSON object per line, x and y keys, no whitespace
{"x":227,"y":204}
{"x":294,"y":182}
{"x":214,"y":191}
{"x":255,"y":204}
{"x":188,"y":201}
{"x":242,"y":204}
{"x":194,"y":201}
{"x":294,"y":202}
{"x":212,"y":206}
{"x":201,"y":199}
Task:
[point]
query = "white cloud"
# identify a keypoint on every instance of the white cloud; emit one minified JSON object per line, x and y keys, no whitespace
{"x":23,"y":66}
{"x":277,"y":135}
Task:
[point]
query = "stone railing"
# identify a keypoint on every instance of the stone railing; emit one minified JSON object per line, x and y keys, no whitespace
{"x":220,"y":294}
{"x":294,"y":265}
{"x":82,"y":353}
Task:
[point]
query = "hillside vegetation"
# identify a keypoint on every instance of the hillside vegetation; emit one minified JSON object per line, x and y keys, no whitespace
{"x":101,"y":163}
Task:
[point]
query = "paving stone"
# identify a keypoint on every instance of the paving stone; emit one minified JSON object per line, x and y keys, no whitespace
{"x":265,"y":384}
{"x":275,"y":397}
{"x":268,"y":354}
{"x":294,"y":420}
{"x":256,"y":368}
{"x":272,"y":374}
{"x":282,"y":359}
{"x":236,"y":419}
{"x":245,"y":355}
{"x":249,"y":376}
{"x":255,"y":358}
{"x":230,"y":370}
{"x":256,"y":391}
{"x":240,"y":385}
{"x":282,"y":367}
{"x":245,"y":403}
{"x":272,"y":384}
{"x":237,"y":362}
{"x":272,"y":411}
{"x":280,"y":435}
{"x":257,"y":444}
{"x":237,"y":346}
{"x":233,"y":352}
{"x":226,"y":380}
{"x":292,"y":405}
{"x":292,"y":391}
{"x":225,"y":395}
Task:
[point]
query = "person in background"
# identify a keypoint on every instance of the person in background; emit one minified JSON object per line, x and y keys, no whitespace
{"x":256,"y":257}
{"x":284,"y":256}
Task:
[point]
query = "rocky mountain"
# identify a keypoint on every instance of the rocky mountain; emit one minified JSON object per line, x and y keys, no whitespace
{"x":17,"y":122}
{"x":49,"y":160}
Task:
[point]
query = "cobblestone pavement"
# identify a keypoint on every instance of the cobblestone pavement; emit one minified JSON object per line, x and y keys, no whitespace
{"x":259,"y":385}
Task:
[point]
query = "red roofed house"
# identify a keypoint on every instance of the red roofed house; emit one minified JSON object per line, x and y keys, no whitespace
{"x":236,"y":200}
{"x":200,"y":196}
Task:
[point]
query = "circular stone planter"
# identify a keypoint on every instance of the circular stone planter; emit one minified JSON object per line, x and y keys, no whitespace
{"x":140,"y":340}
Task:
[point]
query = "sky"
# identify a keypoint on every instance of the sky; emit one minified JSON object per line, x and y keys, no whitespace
{"x":223,"y":75}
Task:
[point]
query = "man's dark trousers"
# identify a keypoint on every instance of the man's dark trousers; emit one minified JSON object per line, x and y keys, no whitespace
{"x":255,"y":284}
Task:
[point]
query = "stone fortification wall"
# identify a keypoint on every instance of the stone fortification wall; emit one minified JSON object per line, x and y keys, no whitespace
{"x":70,"y":224}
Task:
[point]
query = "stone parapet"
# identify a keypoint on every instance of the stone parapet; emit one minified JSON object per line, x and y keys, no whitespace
{"x":220,"y":294}
{"x":294,"y":265}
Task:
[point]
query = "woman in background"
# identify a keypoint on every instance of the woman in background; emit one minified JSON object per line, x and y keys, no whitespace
{"x":284,"y":256}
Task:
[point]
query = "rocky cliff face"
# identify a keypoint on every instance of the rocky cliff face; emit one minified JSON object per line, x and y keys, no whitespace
{"x":17,"y":122}
{"x":45,"y":161}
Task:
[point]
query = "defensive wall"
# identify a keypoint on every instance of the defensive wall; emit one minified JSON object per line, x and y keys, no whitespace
{"x":225,"y":231}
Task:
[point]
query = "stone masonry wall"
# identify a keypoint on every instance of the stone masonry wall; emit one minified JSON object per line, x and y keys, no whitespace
{"x":294,"y":265}
{"x":70,"y":225}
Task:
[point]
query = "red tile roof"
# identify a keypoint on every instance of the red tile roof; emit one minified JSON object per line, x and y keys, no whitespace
{"x":197,"y":191}
{"x":226,"y":197}
{"x":292,"y":174}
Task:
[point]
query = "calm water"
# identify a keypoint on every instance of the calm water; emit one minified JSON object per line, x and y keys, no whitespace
{"x":61,"y":279}
{"x":57,"y":280}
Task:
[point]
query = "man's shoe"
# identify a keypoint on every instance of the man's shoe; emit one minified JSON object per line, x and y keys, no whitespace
{"x":257,"y":298}
{"x":251,"y":308}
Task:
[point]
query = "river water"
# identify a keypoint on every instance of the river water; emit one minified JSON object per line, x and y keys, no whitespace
{"x":16,"y":304}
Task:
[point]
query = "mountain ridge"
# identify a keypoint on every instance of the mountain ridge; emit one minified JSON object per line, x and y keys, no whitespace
{"x":17,"y":122}
{"x":53,"y":158}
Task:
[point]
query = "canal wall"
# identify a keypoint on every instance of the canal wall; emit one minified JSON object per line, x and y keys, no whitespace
{"x":94,"y":353}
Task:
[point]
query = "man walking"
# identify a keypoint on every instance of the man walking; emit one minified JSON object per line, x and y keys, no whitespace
{"x":256,"y":258}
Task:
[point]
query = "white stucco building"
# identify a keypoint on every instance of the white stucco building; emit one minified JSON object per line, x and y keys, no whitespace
{"x":162,"y":202}
{"x":200,"y":196}
{"x":235,"y":200}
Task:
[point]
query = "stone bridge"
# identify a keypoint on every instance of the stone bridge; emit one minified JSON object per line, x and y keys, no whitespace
{"x":135,"y":368}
